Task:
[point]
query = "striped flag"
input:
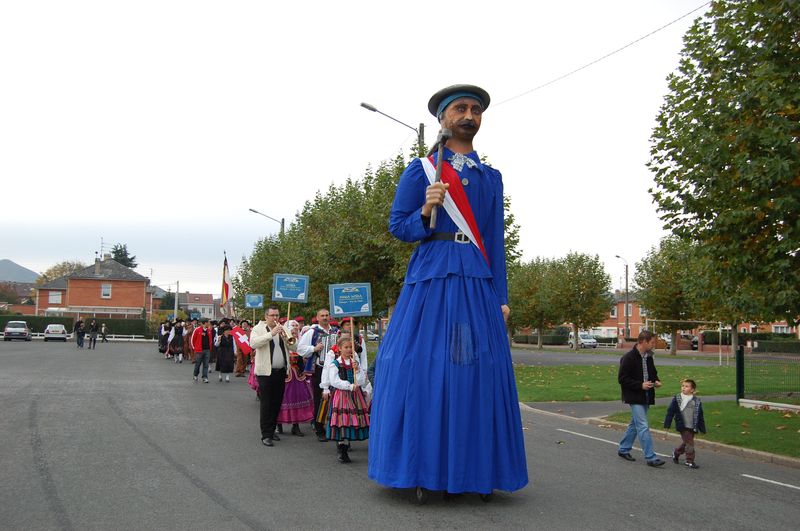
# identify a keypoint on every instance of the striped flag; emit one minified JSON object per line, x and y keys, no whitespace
{"x":227,"y":289}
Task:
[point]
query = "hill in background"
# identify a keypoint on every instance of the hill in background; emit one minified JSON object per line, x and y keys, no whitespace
{"x":13,"y":272}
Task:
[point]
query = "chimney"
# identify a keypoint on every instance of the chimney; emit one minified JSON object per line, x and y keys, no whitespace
{"x":97,"y":266}
{"x":106,"y":256}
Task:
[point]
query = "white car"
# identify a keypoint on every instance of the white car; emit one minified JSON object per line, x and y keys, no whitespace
{"x":55,"y":331}
{"x":584,"y":340}
{"x":372,"y":336}
{"x":17,"y":330}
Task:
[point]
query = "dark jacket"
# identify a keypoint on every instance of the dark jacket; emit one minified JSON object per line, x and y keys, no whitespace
{"x":631,"y":377}
{"x":674,"y":410}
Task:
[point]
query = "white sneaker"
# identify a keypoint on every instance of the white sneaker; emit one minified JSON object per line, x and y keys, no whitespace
{"x":220,"y":377}
{"x":194,"y":378}
{"x":227,"y":378}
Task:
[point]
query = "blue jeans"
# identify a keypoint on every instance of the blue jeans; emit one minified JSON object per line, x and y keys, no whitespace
{"x":202,"y":357}
{"x":640,"y":427}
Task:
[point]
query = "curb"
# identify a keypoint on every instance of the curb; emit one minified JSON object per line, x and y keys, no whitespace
{"x":747,"y":453}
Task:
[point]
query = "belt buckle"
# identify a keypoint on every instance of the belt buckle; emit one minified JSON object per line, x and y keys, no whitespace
{"x":460,"y":237}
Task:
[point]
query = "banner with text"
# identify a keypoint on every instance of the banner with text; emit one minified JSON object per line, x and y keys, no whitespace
{"x":350,"y":300}
{"x":289,"y":288}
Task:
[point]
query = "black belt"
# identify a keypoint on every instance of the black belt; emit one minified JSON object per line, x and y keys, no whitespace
{"x":458,"y":237}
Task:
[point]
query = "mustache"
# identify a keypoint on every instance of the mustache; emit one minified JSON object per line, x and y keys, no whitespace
{"x":469,"y":124}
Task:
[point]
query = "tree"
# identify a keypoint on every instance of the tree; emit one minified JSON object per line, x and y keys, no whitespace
{"x":8,"y":293}
{"x":725,"y":150}
{"x":532,"y":296}
{"x":663,"y":284}
{"x":168,"y":301}
{"x":59,"y":270}
{"x":583,"y":291}
{"x":120,"y":254}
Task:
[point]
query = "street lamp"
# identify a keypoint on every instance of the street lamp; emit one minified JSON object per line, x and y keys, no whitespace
{"x":627,"y":327}
{"x":268,"y":217}
{"x":420,"y":131}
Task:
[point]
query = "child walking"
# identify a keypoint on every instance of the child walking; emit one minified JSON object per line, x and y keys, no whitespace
{"x":348,"y":419}
{"x":688,"y":413}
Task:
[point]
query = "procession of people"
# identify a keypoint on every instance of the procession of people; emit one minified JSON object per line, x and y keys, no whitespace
{"x":428,"y":398}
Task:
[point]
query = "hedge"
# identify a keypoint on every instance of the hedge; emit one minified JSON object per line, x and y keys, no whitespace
{"x":114,"y":326}
{"x":546,"y":340}
{"x":785,"y":347}
{"x":711,"y":337}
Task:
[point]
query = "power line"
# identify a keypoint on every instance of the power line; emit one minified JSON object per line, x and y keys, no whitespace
{"x":606,"y":56}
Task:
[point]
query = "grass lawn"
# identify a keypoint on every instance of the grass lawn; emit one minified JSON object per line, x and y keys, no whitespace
{"x":776,"y":432}
{"x":575,"y":383}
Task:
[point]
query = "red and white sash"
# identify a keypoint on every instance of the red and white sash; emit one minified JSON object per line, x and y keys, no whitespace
{"x":456,"y":202}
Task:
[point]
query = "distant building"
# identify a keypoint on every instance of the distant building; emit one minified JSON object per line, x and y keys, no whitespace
{"x":106,"y":289}
{"x":201,"y":304}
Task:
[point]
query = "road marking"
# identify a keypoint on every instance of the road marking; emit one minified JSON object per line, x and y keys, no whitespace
{"x":615,"y":443}
{"x":770,"y":481}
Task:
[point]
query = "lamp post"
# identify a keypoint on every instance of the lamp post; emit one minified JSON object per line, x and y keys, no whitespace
{"x":268,"y":217}
{"x":420,"y":131}
{"x":627,"y":327}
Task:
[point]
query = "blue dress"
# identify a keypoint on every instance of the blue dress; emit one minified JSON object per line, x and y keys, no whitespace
{"x":445,"y":413}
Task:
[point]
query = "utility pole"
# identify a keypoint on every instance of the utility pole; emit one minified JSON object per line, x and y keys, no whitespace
{"x":177,"y":294}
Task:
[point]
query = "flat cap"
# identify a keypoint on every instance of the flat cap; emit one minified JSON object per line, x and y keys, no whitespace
{"x":453,"y":92}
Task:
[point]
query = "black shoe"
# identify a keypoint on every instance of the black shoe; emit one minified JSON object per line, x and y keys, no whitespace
{"x":692,"y":465}
{"x":655,"y":462}
{"x":280,"y":426}
{"x":675,"y":458}
{"x":275,"y":437}
{"x":345,"y":458}
{"x":296,"y":431}
{"x":267,"y":442}
{"x":626,"y":456}
{"x":321,"y":437}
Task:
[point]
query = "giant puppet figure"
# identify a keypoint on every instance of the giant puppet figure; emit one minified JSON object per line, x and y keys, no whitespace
{"x":445,"y":414}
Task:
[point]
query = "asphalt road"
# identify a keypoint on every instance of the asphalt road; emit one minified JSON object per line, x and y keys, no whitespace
{"x":119,"y":439}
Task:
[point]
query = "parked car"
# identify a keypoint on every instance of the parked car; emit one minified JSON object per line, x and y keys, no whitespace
{"x":372,"y":336}
{"x":694,"y":342}
{"x":584,"y":340}
{"x":667,"y":339}
{"x":17,"y":330}
{"x":55,"y":331}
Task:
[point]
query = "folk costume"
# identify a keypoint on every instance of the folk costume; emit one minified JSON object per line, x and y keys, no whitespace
{"x":348,"y":416}
{"x":225,"y":356}
{"x":315,"y":363}
{"x":175,"y":343}
{"x":445,"y":414}
{"x":298,"y":401}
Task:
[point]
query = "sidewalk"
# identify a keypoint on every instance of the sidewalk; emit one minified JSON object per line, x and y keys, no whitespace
{"x":594,"y":413}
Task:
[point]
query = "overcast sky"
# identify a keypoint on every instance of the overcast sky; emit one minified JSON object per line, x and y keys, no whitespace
{"x":159,"y":123}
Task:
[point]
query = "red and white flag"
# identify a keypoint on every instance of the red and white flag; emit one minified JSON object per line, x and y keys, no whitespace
{"x":227,"y":290}
{"x":241,"y":339}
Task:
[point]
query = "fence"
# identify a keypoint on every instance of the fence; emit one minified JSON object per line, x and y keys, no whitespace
{"x":768,"y":377}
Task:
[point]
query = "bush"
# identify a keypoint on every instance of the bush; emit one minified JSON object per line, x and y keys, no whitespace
{"x":124,"y":326}
{"x":546,"y":339}
{"x":711,"y":337}
{"x":779,"y":346}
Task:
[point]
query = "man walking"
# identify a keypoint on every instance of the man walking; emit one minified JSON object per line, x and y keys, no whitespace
{"x":271,"y":362}
{"x":202,"y":342}
{"x":638,"y":379}
{"x":313,"y":346}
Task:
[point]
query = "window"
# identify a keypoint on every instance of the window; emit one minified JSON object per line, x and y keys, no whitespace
{"x":642,"y":311}
{"x":629,"y":310}
{"x":614,"y":311}
{"x":105,"y":291}
{"x":54,"y":297}
{"x":781,"y":329}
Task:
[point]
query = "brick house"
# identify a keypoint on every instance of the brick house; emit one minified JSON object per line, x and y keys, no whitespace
{"x":106,"y":289}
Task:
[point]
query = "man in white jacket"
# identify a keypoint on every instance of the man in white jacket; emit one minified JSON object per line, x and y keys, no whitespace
{"x":271,"y":362}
